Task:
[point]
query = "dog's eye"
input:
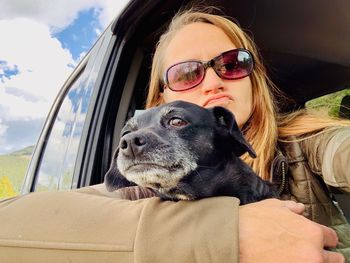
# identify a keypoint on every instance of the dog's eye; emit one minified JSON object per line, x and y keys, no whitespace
{"x":177,"y":122}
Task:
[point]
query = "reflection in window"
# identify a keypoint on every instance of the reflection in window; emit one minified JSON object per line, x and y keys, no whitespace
{"x":57,"y":165}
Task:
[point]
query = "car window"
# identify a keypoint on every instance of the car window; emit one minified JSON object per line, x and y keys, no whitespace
{"x":57,"y":164}
{"x":335,"y":104}
{"x":56,"y":168}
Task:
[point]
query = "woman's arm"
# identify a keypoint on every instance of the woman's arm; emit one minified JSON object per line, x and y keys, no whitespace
{"x":328,"y":154}
{"x":87,"y":227}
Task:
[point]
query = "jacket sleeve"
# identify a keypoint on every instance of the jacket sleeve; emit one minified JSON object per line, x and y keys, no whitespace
{"x":328,"y":154}
{"x":86,"y":227}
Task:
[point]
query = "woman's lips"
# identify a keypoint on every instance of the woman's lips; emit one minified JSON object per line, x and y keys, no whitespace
{"x":222,"y":99}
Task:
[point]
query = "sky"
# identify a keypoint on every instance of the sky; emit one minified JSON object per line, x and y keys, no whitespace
{"x":41,"y":42}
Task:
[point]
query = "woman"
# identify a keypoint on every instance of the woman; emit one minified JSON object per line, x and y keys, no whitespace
{"x":208,"y":60}
{"x":91,"y":225}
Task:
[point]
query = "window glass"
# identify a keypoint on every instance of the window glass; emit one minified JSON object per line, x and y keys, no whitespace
{"x":59,"y":156}
{"x":57,"y":165}
{"x":336,"y":104}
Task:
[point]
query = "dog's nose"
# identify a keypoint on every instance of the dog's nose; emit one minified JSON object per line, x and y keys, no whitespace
{"x":132,"y":144}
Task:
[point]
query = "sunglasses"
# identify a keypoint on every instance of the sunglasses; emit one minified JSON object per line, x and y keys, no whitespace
{"x":233,"y":64}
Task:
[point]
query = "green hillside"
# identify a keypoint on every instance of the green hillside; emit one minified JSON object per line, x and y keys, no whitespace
{"x":13,"y":167}
{"x":27,"y":151}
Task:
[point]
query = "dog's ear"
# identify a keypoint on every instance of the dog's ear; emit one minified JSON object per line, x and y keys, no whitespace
{"x":114,"y":179}
{"x":226,"y":122}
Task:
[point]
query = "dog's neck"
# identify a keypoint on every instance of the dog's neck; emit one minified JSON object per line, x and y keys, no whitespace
{"x":225,"y":179}
{"x":212,"y":180}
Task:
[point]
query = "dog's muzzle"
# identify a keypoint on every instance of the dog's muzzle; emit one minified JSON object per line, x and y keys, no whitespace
{"x":149,"y":161}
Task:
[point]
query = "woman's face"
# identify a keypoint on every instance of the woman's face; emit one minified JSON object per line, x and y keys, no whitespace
{"x":202,"y":41}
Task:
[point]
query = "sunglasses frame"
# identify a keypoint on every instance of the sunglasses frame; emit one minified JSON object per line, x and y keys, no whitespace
{"x":209,"y":64}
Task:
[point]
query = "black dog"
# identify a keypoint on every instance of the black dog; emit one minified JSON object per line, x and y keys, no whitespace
{"x":186,"y":152}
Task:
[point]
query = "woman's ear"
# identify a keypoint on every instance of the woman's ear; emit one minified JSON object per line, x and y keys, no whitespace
{"x":226,"y":121}
{"x":113,"y":178}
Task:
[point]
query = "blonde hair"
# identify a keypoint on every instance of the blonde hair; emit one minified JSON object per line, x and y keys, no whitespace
{"x":264,"y":126}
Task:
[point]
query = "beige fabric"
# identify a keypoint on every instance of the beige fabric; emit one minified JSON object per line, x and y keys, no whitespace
{"x":85,"y":226}
{"x":307,"y":160}
{"x":129,"y":193}
{"x":336,"y":161}
{"x":310,"y":169}
{"x":328,"y":155}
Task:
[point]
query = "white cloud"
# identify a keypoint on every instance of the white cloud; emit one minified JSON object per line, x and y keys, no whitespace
{"x":109,"y":10}
{"x":59,"y":14}
{"x":3,"y":129}
{"x":56,"y":14}
{"x":38,"y":60}
{"x":43,"y":65}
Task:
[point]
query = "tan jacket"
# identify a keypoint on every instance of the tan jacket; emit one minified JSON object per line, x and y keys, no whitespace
{"x":316,"y":166}
{"x":87,"y":226}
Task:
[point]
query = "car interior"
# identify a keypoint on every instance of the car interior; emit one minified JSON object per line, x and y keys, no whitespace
{"x":304,"y":46}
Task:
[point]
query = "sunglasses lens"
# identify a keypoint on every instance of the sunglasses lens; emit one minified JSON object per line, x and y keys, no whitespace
{"x":234,"y":64}
{"x":184,"y":76}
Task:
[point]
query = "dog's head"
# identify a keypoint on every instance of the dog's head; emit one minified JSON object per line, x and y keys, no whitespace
{"x":165,"y":144}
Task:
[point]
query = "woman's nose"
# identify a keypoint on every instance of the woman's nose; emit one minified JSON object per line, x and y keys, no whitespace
{"x":212,"y":83}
